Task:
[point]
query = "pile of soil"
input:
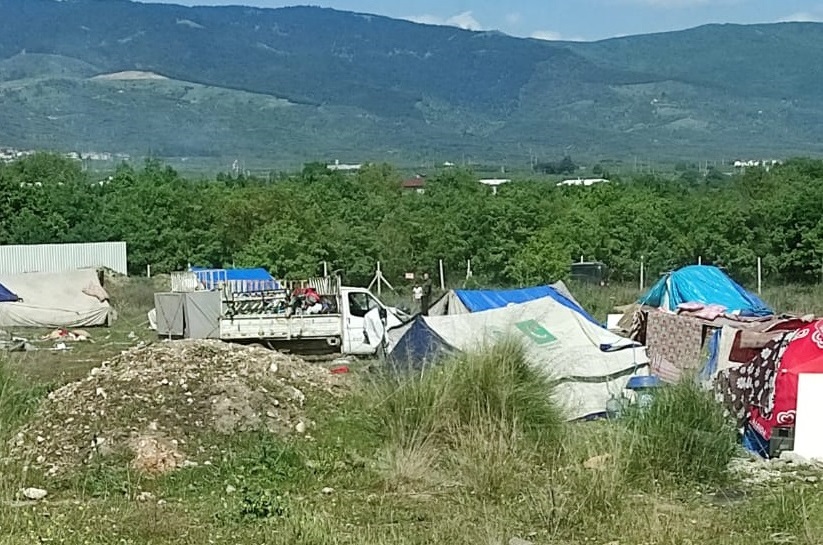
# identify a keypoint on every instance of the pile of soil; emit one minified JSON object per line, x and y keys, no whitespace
{"x":166,"y":405}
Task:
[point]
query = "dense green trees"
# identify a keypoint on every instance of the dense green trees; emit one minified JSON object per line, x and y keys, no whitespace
{"x":529,"y":232}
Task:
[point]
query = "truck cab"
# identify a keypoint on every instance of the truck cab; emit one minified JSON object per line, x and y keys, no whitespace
{"x":356,"y":303}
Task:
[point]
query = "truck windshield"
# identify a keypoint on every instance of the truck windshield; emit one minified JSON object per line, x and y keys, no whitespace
{"x":361,"y":303}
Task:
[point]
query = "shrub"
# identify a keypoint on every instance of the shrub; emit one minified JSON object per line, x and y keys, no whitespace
{"x":473,"y":415}
{"x":497,"y":384}
{"x":683,"y":436}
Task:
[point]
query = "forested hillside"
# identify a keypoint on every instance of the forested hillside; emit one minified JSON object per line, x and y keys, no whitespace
{"x":529,"y":232}
{"x":291,"y":85}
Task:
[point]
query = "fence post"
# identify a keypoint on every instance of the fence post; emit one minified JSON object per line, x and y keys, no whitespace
{"x":379,"y":280}
{"x":642,"y":272}
{"x":148,"y":271}
{"x":442,"y":280}
{"x":759,"y":276}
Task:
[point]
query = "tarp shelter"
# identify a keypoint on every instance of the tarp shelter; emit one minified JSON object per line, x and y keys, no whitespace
{"x":6,"y":296}
{"x":193,"y":315}
{"x":64,"y":299}
{"x":466,"y":301}
{"x":590,"y":364}
{"x":706,"y":285}
{"x":804,"y":354}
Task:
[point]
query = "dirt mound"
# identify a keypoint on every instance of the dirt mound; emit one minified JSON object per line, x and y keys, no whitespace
{"x":166,"y":405}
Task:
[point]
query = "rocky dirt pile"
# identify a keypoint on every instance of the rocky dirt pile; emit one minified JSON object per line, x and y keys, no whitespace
{"x":167,"y":404}
{"x":788,"y":467}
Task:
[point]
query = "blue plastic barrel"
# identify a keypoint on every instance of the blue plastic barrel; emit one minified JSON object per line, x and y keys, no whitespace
{"x":643,"y":387}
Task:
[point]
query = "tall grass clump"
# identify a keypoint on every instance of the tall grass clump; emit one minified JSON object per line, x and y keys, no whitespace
{"x":795,"y":299}
{"x":17,"y":399}
{"x":791,"y":514}
{"x":601,"y":301}
{"x":683,"y":436}
{"x":476,"y":416}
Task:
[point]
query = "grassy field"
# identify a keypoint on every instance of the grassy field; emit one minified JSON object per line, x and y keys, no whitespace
{"x":474,"y":452}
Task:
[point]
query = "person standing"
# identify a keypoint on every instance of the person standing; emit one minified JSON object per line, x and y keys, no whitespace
{"x":417,"y":294}
{"x":427,"y":294}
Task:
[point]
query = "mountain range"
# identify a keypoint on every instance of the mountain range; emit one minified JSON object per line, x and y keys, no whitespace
{"x":306,"y":83}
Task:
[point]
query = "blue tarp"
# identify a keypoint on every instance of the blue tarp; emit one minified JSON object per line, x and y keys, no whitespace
{"x":710,"y":368}
{"x":6,"y":296}
{"x":419,"y":345}
{"x":755,"y":443}
{"x":707,"y":285}
{"x":480,"y":300}
{"x":240,"y":274}
{"x":230,"y":275}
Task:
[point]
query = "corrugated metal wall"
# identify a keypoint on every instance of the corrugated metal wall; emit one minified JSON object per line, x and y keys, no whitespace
{"x":23,"y":258}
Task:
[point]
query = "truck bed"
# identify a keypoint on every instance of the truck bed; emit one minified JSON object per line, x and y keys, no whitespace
{"x":281,"y":328}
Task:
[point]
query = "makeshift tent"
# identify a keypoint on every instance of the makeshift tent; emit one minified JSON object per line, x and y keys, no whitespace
{"x":6,"y":295}
{"x":804,"y":354}
{"x":62,"y":299}
{"x":193,"y":315}
{"x":706,"y":285}
{"x":466,"y":301}
{"x":591,"y":364}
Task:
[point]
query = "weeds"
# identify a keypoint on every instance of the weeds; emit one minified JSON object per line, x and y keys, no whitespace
{"x":788,"y":515}
{"x":600,"y":301}
{"x":18,"y":399}
{"x":795,"y":299}
{"x":497,"y":385}
{"x":478,"y":418}
{"x":473,"y":451}
{"x":682,"y":436}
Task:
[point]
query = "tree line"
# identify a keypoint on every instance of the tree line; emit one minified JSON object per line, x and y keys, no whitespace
{"x":529,"y":232}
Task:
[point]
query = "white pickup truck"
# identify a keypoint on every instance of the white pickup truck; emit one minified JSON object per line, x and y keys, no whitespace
{"x":343,"y":330}
{"x":238,"y":315}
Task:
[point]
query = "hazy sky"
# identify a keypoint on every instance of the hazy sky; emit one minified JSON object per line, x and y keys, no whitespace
{"x":568,"y":19}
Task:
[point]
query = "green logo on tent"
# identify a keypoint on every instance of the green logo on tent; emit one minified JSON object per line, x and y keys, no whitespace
{"x":536,"y":332}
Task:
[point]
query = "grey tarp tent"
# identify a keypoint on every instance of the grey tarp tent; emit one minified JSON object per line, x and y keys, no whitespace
{"x":193,"y":315}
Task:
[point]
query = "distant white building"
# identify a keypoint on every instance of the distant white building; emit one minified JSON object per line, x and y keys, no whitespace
{"x":756,"y":163}
{"x":583,"y":181}
{"x":494,"y":183}
{"x":343,"y":167}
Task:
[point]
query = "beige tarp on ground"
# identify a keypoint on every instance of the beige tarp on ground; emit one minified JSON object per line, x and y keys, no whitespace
{"x":63,"y":299}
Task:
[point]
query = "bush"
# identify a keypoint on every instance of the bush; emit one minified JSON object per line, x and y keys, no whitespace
{"x":496,"y":385}
{"x":473,"y":416}
{"x":683,"y":436}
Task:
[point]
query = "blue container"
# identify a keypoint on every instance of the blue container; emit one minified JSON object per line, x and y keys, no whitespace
{"x":644,"y":387}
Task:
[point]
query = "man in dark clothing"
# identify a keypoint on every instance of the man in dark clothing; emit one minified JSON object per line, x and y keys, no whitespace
{"x":427,"y":295}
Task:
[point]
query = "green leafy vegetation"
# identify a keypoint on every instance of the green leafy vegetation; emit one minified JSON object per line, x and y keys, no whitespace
{"x":527,"y":233}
